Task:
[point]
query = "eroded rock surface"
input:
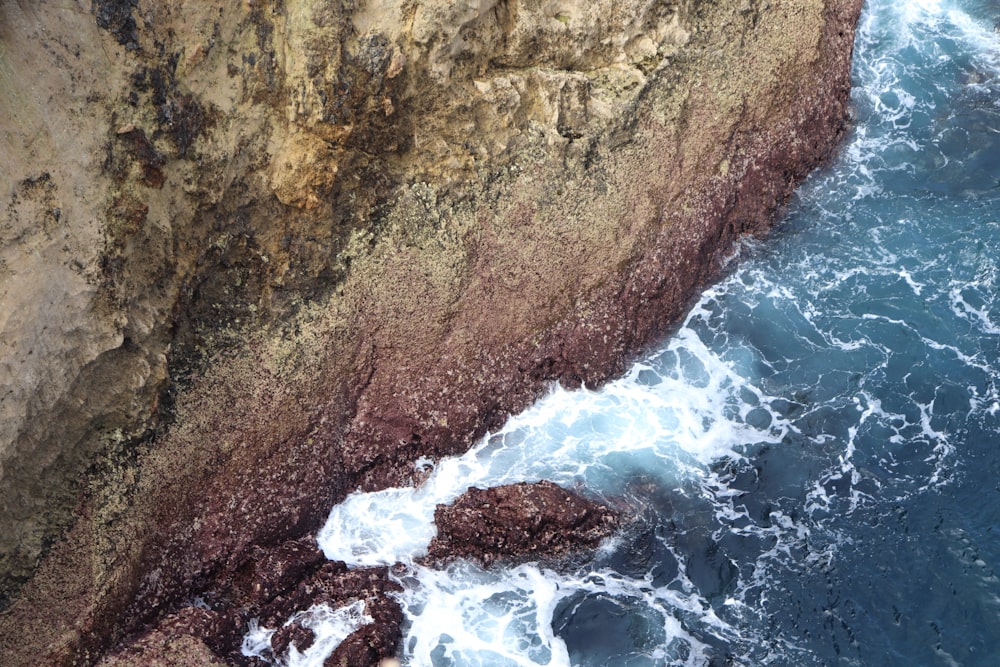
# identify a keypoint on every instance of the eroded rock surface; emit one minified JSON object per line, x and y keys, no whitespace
{"x":519,"y":522}
{"x":274,"y":584}
{"x":191,"y":636}
{"x":254,"y":255}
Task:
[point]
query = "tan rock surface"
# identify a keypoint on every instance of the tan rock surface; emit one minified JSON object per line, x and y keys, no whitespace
{"x":255,"y":254}
{"x":55,"y":323}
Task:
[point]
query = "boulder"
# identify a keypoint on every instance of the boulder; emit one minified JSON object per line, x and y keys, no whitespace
{"x":519,"y":522}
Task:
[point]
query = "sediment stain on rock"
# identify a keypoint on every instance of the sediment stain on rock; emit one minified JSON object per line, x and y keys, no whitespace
{"x":301,"y":244}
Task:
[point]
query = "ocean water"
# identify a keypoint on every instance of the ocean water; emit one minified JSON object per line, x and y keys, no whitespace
{"x":814,"y":456}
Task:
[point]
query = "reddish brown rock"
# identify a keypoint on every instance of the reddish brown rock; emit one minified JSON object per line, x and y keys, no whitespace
{"x":333,"y":584}
{"x":519,"y":522}
{"x":336,"y":586}
{"x":164,"y":650}
{"x":280,"y":568}
{"x":368,"y":645}
{"x":293,"y":634}
{"x":187,"y":637}
{"x":214,"y":636}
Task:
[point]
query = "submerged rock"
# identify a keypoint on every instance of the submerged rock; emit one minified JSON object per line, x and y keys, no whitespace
{"x":519,"y":522}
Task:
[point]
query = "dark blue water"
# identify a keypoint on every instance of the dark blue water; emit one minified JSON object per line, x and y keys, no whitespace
{"x":815,"y":455}
{"x":871,"y":325}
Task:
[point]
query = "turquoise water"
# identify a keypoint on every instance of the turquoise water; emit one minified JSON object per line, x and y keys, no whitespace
{"x":814,"y":456}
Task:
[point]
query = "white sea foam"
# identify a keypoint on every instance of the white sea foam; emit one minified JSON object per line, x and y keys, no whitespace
{"x":468,"y":616}
{"x":330,"y":626}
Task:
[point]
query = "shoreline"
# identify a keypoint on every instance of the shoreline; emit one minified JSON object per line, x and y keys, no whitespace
{"x":461,"y":311}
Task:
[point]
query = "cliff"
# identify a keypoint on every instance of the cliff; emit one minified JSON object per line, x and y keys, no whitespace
{"x":254,"y":255}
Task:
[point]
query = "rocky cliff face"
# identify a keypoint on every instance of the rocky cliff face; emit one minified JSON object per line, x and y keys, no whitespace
{"x":255,"y":254}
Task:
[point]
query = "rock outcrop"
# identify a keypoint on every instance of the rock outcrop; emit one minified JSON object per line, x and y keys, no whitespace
{"x":256,"y":254}
{"x":517,"y":523}
{"x":272,"y":586}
